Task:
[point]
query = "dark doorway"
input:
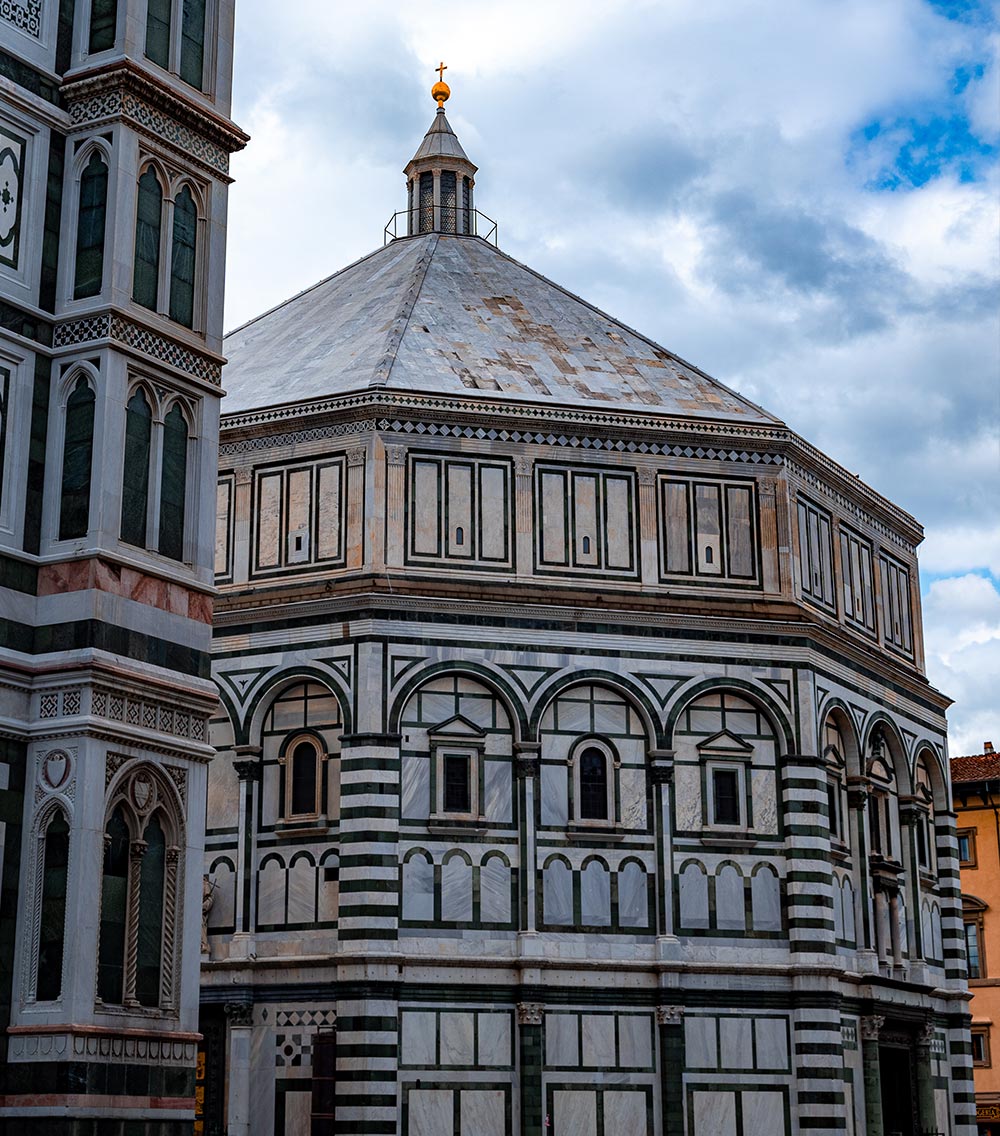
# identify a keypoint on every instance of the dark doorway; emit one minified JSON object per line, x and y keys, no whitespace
{"x":210,"y":1083}
{"x":898,"y":1092}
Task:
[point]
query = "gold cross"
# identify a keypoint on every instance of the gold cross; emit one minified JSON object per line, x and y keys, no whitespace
{"x":441,"y":70}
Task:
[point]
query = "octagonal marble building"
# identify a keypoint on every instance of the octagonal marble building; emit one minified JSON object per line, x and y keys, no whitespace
{"x":577,"y":771}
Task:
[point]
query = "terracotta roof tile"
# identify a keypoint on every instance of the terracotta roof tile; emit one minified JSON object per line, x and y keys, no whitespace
{"x":976,"y":767}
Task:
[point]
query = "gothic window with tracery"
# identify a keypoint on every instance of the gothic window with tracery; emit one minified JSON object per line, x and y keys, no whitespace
{"x":142,"y":842}
{"x":149,"y":219}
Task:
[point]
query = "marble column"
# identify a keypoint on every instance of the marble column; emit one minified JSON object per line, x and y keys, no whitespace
{"x":530,"y":1043}
{"x":670,"y":1022}
{"x":870,"y":1028}
{"x":527,"y":776}
{"x":649,"y":549}
{"x":136,"y":850}
{"x":857,"y":804}
{"x":769,"y":556}
{"x":522,"y":514}
{"x":910,"y":816}
{"x":240,"y":1015}
{"x":242,"y":536}
{"x":247,"y":766}
{"x":661,"y":768}
{"x":355,"y":508}
{"x":395,"y":505}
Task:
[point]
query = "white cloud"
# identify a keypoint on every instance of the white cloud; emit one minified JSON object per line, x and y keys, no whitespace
{"x":962,"y":641}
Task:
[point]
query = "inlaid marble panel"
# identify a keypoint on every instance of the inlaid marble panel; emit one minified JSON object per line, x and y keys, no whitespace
{"x":483,"y":1112}
{"x":271,"y":893}
{"x":618,"y":509}
{"x":764,"y":801}
{"x":301,"y":892}
{"x":494,"y":1040}
{"x":555,"y":798}
{"x":418,"y":1044}
{"x":595,"y":895}
{"x":557,"y":893}
{"x":765,"y":896}
{"x":493,"y":489}
{"x":458,"y":1035}
{"x":426,"y":507}
{"x":625,"y":1111}
{"x":431,"y":1112}
{"x":715,"y":1114}
{"x":495,"y":891}
{"x":415,"y":787}
{"x":763,"y":1112}
{"x":729,"y":904}
{"x":418,"y":889}
{"x":632,"y":784}
{"x":497,"y":790}
{"x":693,"y":892}
{"x":700,"y":1045}
{"x":635,"y":1041}
{"x":456,"y":891}
{"x":687,"y":797}
{"x":772,"y":1043}
{"x":633,"y":896}
{"x":736,"y":1043}
{"x":562,"y":1040}
{"x":269,"y":521}
{"x":575,"y":1112}
{"x":598,"y":1041}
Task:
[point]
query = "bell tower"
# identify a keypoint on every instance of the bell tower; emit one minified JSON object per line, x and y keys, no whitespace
{"x":439,"y":177}
{"x":115,"y":137}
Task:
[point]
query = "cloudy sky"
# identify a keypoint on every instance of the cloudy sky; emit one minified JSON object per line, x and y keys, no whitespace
{"x":801,"y":198}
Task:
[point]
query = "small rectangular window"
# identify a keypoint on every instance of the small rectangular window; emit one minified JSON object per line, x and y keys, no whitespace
{"x":972,"y":950}
{"x":815,"y":554}
{"x":725,"y":796}
{"x":967,"y":847}
{"x":103,"y":21}
{"x":457,"y":783}
{"x":158,"y":32}
{"x":981,"y":1047}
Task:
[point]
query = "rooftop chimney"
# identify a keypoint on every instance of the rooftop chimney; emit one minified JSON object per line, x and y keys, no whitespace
{"x":987,"y":747}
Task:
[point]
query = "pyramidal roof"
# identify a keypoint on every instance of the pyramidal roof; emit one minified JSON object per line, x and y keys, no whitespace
{"x":440,"y":141}
{"x":445,"y":314}
{"x":454,"y":315}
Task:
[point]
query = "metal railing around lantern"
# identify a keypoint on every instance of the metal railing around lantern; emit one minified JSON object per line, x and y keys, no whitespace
{"x":453,"y":220}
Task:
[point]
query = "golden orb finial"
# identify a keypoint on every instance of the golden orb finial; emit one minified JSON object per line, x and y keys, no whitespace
{"x":440,"y":91}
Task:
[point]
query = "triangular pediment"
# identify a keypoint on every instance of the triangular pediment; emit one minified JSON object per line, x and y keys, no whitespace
{"x":457,"y":727}
{"x":725,"y":741}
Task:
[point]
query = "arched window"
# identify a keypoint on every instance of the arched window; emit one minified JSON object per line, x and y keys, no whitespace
{"x":158,"y":31}
{"x":149,"y":945}
{"x":114,"y":899}
{"x":193,"y":43}
{"x":593,"y":784}
{"x":149,"y":217}
{"x":103,"y":21}
{"x":78,"y":447}
{"x":55,"y":861}
{"x":173,"y":484}
{"x":135,"y":480}
{"x":182,"y":258}
{"x":925,"y":827}
{"x":304,"y":779}
{"x":89,"y":273}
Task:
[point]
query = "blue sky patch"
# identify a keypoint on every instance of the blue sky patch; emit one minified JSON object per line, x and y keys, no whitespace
{"x":978,"y":12}
{"x":907,"y":152}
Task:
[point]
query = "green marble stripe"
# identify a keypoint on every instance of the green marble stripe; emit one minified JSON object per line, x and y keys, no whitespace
{"x":346,"y":934}
{"x":18,"y":576}
{"x":372,"y":788}
{"x":370,"y":1049}
{"x":114,"y":639}
{"x":347,"y":886}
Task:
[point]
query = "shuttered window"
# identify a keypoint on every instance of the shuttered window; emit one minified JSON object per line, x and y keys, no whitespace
{"x":856,"y":568}
{"x":897,"y":627}
{"x":78,"y":456}
{"x":135,"y":479}
{"x":149,"y":218}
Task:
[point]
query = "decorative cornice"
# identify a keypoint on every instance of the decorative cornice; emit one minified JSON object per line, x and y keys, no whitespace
{"x":123,"y":91}
{"x":111,"y":325}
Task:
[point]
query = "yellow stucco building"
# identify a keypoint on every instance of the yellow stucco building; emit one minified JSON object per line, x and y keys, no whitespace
{"x":976,"y":786}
